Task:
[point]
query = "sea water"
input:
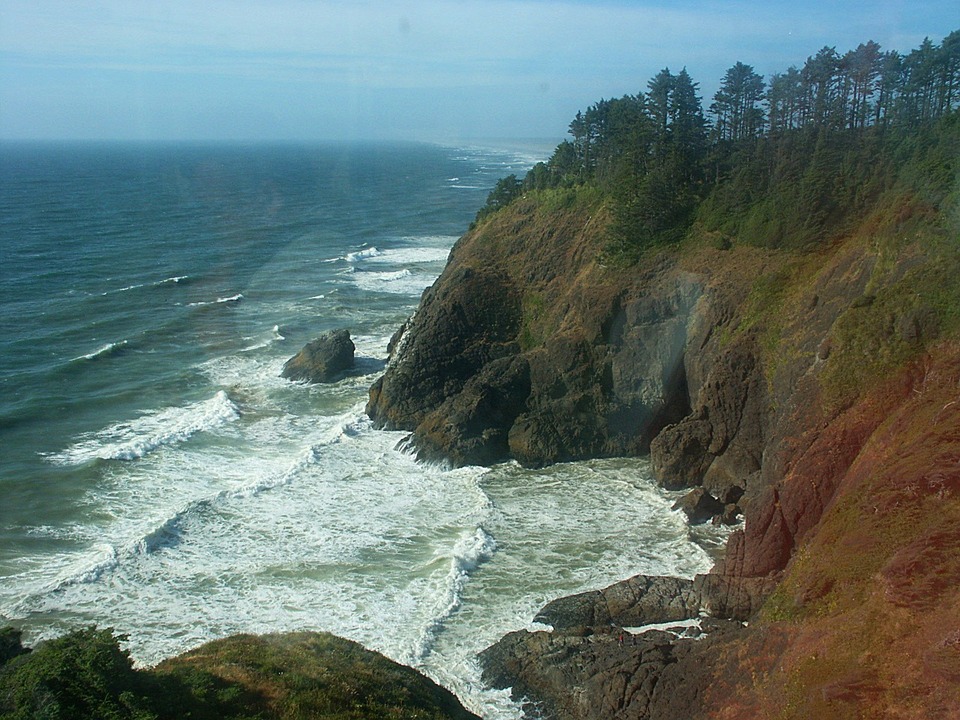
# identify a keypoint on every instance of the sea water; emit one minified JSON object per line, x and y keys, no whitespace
{"x":157,"y":475}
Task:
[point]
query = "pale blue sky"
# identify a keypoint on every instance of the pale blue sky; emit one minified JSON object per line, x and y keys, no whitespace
{"x":425,"y":70}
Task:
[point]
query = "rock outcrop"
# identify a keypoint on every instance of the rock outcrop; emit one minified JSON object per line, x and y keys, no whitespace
{"x":597,"y":662}
{"x":776,"y":383}
{"x":322,"y":360}
{"x":513,"y":353}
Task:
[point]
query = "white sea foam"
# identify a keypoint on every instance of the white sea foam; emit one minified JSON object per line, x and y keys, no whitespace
{"x":219,"y":301}
{"x":398,"y":282}
{"x":123,"y":289}
{"x":364,"y":254}
{"x":103,"y":351}
{"x":101,"y":558}
{"x":677,"y":627}
{"x":275,"y":336}
{"x":173,"y":280}
{"x":408,"y":251}
{"x":154,"y":429}
{"x":470,"y":550}
{"x":412,"y":256}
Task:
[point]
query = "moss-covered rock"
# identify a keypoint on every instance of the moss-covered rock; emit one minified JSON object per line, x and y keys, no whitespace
{"x":316,"y":675}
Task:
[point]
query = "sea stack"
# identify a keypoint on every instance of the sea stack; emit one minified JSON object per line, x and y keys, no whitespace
{"x":322,"y":360}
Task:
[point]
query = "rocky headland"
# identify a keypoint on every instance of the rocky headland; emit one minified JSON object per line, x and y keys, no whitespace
{"x":814,"y":390}
{"x":768,"y":307}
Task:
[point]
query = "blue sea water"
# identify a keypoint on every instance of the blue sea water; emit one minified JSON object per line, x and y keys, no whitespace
{"x":159,"y":477}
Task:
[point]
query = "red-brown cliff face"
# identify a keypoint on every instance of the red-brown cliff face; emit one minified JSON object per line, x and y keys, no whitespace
{"x":823,"y":384}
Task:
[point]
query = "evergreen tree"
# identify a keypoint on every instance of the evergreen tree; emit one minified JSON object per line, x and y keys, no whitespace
{"x":736,"y":104}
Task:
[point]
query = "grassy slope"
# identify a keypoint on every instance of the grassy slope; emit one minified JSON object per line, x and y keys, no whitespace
{"x":866,"y":622}
{"x":85,"y":674}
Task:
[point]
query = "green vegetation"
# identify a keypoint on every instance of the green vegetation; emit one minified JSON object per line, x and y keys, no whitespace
{"x":86,"y":674}
{"x":82,"y":675}
{"x":787,"y":163}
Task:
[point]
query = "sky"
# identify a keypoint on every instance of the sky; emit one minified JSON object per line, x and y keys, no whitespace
{"x":431,"y":70}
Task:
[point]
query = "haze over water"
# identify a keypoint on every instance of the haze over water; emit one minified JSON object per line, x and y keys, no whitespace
{"x":156,"y":474}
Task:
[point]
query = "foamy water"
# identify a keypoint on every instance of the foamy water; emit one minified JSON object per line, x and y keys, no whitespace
{"x":159,"y":477}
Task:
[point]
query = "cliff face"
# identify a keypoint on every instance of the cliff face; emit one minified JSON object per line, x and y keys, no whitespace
{"x":524,"y":349}
{"x":821,"y":385}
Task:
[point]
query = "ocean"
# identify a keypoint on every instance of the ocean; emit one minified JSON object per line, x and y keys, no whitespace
{"x":157,"y":476}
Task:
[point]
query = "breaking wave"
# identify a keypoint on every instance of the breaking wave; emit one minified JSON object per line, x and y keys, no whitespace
{"x":470,"y":551}
{"x":107,"y":350}
{"x":155,"y":429}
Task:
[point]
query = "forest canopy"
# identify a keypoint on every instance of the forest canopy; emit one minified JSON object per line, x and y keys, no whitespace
{"x":773,"y":161}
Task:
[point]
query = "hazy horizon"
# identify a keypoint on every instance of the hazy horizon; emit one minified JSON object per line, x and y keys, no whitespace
{"x":297,"y":71}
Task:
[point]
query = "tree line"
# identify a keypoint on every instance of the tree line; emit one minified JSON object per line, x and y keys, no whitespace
{"x":658,"y":154}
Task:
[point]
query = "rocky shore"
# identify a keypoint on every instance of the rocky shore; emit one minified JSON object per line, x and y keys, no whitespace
{"x":802,"y":389}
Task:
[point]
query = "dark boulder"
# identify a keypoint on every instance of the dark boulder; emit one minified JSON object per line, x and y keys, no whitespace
{"x":463,"y":323}
{"x":699,"y":506}
{"x":322,"y":360}
{"x":611,"y":675}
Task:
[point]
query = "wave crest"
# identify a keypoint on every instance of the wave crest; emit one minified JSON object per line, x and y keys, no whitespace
{"x":107,"y":350}
{"x":470,"y":550}
{"x":133,"y":440}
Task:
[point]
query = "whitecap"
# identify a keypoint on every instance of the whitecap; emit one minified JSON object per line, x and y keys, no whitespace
{"x":123,"y":289}
{"x":155,"y":429}
{"x":400,"y":282}
{"x":219,"y":301}
{"x":275,"y":336}
{"x":104,"y":351}
{"x":99,"y":560}
{"x":413,"y":255}
{"x":364,"y":254}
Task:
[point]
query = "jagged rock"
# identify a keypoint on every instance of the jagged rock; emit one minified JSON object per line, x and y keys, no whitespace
{"x":582,"y":678}
{"x":469,"y":320}
{"x":729,"y":516}
{"x":699,"y":506}
{"x":720,"y":443}
{"x":733,"y":597}
{"x":322,"y":360}
{"x":732,"y":495}
{"x":586,"y":375}
{"x":640,"y":600}
{"x":472,"y":427}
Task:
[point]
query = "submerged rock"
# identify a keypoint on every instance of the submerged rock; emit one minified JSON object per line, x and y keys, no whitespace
{"x":322,"y":360}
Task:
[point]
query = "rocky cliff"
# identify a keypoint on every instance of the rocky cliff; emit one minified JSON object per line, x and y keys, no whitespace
{"x":821,"y":385}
